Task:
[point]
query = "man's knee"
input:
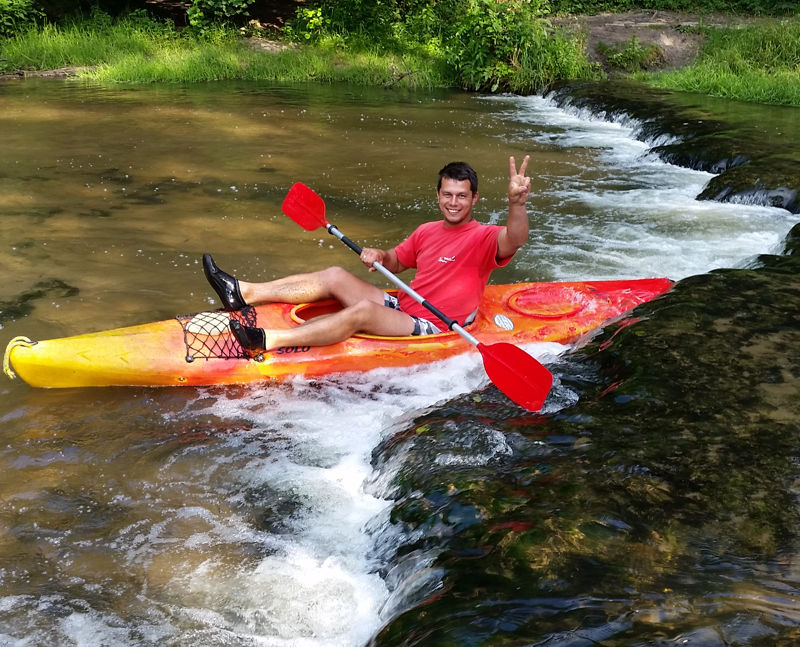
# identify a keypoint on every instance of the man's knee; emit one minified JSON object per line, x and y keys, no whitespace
{"x":335,"y":276}
{"x":362,"y":313}
{"x":374,"y":318}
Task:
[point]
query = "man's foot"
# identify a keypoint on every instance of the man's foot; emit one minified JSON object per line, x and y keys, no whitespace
{"x":251,"y":339}
{"x":226,"y":286}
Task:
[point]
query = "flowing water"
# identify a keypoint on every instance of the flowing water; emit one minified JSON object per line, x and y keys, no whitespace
{"x":398,"y":507}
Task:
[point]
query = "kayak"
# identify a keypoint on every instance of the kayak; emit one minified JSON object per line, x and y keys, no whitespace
{"x":199,"y":349}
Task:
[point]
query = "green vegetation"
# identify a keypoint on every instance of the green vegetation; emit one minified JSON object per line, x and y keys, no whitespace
{"x":496,"y":45}
{"x":759,"y":63}
{"x":139,"y":49}
{"x":205,"y":14}
{"x":483,"y":45}
{"x":493,"y":45}
{"x":84,"y":41}
{"x":16,"y":15}
{"x":632,"y":56}
{"x":228,"y":57}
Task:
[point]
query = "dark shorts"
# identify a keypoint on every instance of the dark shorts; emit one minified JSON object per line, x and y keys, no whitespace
{"x":421,"y":326}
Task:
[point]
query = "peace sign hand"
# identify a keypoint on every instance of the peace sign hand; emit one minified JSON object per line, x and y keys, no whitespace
{"x":519,"y":185}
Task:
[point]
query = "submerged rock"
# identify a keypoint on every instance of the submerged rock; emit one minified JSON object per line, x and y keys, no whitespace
{"x":745,"y":185}
{"x":675,"y":472}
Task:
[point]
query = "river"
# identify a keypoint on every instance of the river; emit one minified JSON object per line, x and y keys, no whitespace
{"x":652,"y":502}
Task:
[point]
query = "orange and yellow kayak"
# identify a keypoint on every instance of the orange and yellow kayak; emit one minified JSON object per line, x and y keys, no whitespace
{"x":199,"y":349}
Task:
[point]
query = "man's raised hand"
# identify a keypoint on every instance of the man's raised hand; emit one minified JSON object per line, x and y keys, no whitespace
{"x":519,"y":185}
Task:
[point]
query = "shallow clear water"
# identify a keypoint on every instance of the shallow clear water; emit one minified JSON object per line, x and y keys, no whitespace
{"x":268,"y":515}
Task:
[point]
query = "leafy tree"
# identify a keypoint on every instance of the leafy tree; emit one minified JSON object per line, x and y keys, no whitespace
{"x":16,"y":15}
{"x":203,"y":14}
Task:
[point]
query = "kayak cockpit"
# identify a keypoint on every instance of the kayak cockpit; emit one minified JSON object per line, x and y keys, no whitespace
{"x":304,"y":312}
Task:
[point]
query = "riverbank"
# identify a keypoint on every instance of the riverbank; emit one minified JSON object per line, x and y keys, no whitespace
{"x":677,"y":35}
{"x":744,"y":58}
{"x":736,"y":57}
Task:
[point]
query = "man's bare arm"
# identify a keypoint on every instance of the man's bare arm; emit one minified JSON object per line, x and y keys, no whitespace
{"x":515,"y":233}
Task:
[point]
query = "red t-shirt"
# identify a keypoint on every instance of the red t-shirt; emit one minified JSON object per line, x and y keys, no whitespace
{"x":453,"y":267}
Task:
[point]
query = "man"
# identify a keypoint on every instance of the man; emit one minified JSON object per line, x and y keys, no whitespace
{"x":453,"y":257}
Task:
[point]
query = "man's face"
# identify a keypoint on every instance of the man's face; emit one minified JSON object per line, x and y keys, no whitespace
{"x":456,"y":201}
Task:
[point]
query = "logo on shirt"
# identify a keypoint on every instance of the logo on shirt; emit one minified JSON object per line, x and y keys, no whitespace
{"x":447,"y":259}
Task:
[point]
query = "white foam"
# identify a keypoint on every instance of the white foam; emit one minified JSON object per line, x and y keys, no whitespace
{"x":311,"y":574}
{"x":626,"y":213}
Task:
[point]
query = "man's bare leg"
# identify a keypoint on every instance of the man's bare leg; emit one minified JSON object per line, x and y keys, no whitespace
{"x":333,"y":282}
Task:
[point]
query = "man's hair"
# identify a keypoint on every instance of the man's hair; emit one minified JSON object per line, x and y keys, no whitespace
{"x":459,"y":171}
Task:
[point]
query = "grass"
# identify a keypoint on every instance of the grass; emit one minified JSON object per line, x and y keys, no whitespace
{"x":182,"y":62}
{"x":632,"y":56}
{"x":559,"y":58}
{"x":758,"y":63}
{"x":138,"y":49}
{"x":85,"y":42}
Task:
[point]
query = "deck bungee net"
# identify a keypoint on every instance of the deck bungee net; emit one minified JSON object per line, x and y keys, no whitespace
{"x":207,"y":335}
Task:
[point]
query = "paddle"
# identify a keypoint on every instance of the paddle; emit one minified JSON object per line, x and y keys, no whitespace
{"x":523,"y":379}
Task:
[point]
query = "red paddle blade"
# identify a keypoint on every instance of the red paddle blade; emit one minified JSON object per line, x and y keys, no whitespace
{"x":305,"y":207}
{"x":521,"y":377}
